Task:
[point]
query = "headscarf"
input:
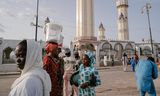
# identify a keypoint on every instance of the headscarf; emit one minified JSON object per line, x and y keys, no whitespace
{"x":91,"y":57}
{"x":33,"y":67}
{"x":50,"y":47}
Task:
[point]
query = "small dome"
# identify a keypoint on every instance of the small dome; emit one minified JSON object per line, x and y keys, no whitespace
{"x":47,"y":20}
{"x":101,"y":28}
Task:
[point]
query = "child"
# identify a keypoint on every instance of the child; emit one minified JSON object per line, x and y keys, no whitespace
{"x":89,"y":77}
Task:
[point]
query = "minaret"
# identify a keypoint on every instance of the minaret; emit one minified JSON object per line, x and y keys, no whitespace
{"x":101,"y":34}
{"x":84,"y":21}
{"x":123,"y":31}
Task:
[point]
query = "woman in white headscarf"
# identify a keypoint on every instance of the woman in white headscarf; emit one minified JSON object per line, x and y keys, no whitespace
{"x":34,"y":81}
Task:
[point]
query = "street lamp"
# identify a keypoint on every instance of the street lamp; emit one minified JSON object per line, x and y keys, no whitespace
{"x":36,"y":21}
{"x":147,"y":7}
{"x":36,"y":25}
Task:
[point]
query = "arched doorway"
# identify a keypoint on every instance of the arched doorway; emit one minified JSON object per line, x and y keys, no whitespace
{"x":129,"y":50}
{"x":105,"y":52}
{"x":147,"y":51}
{"x":6,"y":56}
{"x":119,"y":49}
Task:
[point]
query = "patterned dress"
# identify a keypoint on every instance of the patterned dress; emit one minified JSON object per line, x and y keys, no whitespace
{"x":56,"y":71}
{"x":85,"y":76}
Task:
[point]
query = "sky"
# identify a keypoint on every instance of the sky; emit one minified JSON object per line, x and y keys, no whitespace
{"x":16,"y":16}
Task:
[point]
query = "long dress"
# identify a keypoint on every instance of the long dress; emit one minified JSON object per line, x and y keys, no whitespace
{"x":133,"y":64}
{"x":27,"y":85}
{"x":56,"y":71}
{"x":85,"y":76}
{"x":146,"y":71}
{"x":125,"y":61}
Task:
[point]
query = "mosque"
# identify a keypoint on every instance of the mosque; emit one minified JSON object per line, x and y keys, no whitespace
{"x":106,"y":49}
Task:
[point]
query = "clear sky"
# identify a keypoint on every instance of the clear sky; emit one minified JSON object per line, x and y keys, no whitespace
{"x":16,"y":16}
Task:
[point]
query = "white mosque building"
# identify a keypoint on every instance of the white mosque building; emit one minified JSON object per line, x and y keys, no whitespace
{"x":106,"y":48}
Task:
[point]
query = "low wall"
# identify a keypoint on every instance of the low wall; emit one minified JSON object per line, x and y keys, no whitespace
{"x":109,"y":63}
{"x":8,"y":68}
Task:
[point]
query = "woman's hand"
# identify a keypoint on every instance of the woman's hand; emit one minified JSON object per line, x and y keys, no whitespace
{"x":84,"y":85}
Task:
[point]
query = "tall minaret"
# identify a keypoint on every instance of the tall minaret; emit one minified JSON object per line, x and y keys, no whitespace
{"x":123,"y":31}
{"x":101,"y":33}
{"x":84,"y":21}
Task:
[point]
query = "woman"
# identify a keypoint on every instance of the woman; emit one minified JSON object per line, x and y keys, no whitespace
{"x":54,"y":67}
{"x":34,"y":81}
{"x":89,"y":77}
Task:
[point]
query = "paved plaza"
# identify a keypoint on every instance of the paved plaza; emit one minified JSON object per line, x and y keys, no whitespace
{"x":115,"y":82}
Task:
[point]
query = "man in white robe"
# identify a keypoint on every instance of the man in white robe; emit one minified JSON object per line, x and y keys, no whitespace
{"x":34,"y":81}
{"x":125,"y":62}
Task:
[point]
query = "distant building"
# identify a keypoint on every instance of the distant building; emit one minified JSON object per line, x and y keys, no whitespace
{"x":105,"y":47}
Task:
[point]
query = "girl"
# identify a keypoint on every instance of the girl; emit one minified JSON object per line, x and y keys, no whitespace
{"x":89,"y":77}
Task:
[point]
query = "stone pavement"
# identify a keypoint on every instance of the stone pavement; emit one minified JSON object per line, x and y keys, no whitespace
{"x":115,"y":82}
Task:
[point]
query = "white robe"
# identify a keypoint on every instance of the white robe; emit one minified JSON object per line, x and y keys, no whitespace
{"x":30,"y":86}
{"x":125,"y":63}
{"x":34,"y":81}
